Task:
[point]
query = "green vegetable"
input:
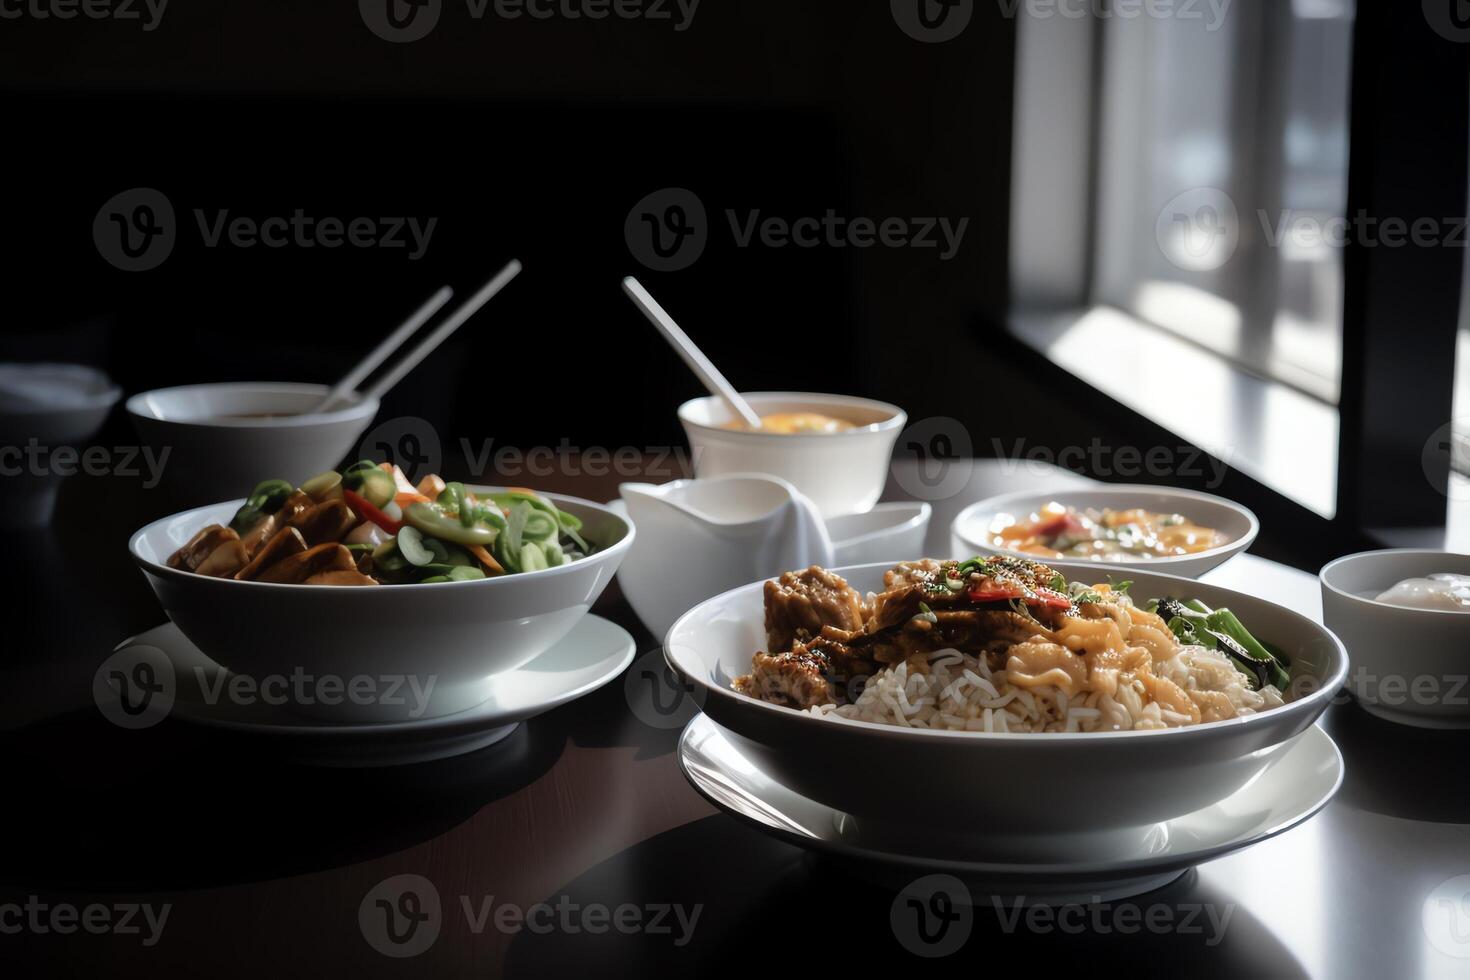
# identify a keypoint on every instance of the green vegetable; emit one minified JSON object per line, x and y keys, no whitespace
{"x":433,"y":522}
{"x":264,"y":500}
{"x":323,"y":486}
{"x":374,"y":483}
{"x":1195,"y":623}
{"x":459,"y":574}
{"x":411,"y":546}
{"x":387,"y":558}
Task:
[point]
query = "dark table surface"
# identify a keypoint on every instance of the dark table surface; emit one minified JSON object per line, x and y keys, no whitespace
{"x":261,"y":865}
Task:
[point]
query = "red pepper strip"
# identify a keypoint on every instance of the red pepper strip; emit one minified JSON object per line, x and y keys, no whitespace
{"x":368,"y":512}
{"x":995,"y":595}
{"x":1053,"y":598}
{"x":1041,"y":597}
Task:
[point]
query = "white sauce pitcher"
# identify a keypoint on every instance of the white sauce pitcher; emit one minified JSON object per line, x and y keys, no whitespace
{"x":699,"y":538}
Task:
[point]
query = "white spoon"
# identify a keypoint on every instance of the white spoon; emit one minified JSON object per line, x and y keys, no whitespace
{"x":701,"y":365}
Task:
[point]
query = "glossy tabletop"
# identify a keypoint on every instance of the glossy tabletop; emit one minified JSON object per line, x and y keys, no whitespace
{"x":576,"y":847}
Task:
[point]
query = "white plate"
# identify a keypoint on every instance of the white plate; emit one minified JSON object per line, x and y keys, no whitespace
{"x":593,"y":653}
{"x":1295,"y":785}
{"x":1240,"y":526}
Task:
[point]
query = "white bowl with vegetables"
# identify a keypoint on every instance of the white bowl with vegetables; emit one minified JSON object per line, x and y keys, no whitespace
{"x":1162,"y":529}
{"x":358,"y":596}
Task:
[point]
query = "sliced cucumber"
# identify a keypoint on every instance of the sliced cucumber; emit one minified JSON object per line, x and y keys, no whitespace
{"x":373,"y":482}
{"x":415,"y":550}
{"x":325,"y":486}
{"x":532,"y":558}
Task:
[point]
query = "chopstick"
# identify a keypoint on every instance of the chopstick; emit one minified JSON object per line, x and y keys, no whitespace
{"x":442,"y":332}
{"x":390,"y":344}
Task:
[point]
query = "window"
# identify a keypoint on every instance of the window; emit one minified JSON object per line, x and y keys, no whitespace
{"x":1222,"y":182}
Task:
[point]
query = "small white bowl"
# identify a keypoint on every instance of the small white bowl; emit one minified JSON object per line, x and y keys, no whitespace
{"x":842,"y":472}
{"x":455,"y":635}
{"x":1237,"y":523}
{"x":1410,"y":666}
{"x":223,"y":439}
{"x":888,"y":532}
{"x":1093,"y":790}
{"x":56,"y":405}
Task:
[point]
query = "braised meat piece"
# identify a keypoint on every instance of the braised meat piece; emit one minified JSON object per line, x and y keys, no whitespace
{"x":796,"y":679}
{"x":800,"y":604}
{"x":912,"y":573}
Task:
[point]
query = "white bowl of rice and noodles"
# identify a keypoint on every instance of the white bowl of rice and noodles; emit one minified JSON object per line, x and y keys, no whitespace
{"x":1004,"y":698}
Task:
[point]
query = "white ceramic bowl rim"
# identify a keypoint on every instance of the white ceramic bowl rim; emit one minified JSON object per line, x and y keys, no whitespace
{"x":995,"y":505}
{"x":356,"y":407}
{"x":163,"y":571}
{"x":103,"y":397}
{"x":813,"y":400}
{"x":1304,"y":705}
{"x":922,"y":511}
{"x":1366,"y":556}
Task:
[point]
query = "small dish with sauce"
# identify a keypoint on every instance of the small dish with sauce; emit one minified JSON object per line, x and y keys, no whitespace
{"x":835,"y":449}
{"x":1178,"y":532}
{"x":1407,"y":631}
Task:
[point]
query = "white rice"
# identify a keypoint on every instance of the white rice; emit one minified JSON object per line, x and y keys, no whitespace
{"x":960,"y":693}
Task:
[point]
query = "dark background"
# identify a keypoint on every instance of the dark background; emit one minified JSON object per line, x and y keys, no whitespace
{"x":529,"y":139}
{"x":534,"y":139}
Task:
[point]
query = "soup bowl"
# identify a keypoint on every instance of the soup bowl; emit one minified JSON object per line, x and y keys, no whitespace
{"x":1082,"y":792}
{"x":436,"y":646}
{"x":223,"y":438}
{"x":842,"y":472}
{"x":1410,"y":666}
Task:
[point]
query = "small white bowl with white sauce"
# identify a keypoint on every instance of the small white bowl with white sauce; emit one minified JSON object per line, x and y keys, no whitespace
{"x":1410,"y":646}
